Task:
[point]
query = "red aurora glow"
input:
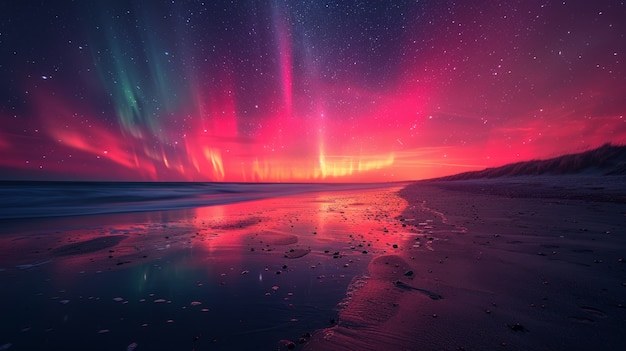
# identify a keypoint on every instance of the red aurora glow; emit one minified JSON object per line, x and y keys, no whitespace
{"x":423,"y":93}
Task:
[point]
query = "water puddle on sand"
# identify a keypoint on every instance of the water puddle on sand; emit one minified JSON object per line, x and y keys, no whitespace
{"x":252,"y":275}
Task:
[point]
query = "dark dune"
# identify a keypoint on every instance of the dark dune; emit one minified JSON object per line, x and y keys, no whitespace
{"x":605,"y":160}
{"x":598,"y":175}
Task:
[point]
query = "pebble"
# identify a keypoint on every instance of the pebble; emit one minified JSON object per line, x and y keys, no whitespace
{"x":517,"y":327}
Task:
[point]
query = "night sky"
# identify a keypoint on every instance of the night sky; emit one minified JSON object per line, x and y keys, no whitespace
{"x":304,"y":90}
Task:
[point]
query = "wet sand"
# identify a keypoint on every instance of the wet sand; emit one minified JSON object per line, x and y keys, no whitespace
{"x":515,"y":264}
{"x":518,"y":264}
{"x":250,"y":275}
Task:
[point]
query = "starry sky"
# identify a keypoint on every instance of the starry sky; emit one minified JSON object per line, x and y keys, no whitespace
{"x":291,"y":91}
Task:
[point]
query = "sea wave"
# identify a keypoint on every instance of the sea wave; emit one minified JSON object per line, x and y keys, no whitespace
{"x":56,"y":199}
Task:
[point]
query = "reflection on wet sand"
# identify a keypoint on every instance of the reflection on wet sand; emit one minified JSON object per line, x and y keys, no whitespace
{"x":267,"y":270}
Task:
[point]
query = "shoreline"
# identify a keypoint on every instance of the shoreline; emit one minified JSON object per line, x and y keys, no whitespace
{"x":271,"y":269}
{"x":41,"y":200}
{"x":448,"y":266}
{"x":536,"y":272}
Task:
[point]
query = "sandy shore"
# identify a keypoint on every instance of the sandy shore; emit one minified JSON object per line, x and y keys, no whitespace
{"x":531,"y":263}
{"x":250,"y":275}
{"x":520,"y":264}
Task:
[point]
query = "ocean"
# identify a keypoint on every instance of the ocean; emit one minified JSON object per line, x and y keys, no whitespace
{"x":35,"y":199}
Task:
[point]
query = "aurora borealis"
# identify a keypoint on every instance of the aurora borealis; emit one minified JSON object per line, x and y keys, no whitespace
{"x":303,"y":90}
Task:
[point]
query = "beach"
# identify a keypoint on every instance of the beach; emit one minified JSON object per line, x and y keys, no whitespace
{"x":519,"y":264}
{"x":238,"y":274}
{"x":525,"y":263}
